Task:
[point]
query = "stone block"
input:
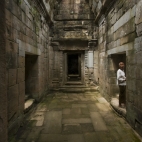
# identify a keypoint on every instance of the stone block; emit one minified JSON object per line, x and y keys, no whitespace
{"x":79,"y":105}
{"x":21,"y":96}
{"x":138,"y":18}
{"x":138,"y":72}
{"x":110,"y":45}
{"x":139,"y":58}
{"x":8,"y":16}
{"x":139,"y":89}
{"x":8,"y":31}
{"x":122,"y":48}
{"x":13,"y":94}
{"x":139,"y":29}
{"x":55,"y":126}
{"x":79,"y":120}
{"x":130,"y":96}
{"x":21,"y":62}
{"x":11,"y":46}
{"x":126,"y":29}
{"x":131,"y":85}
{"x":98,"y":123}
{"x":11,"y":60}
{"x":20,"y":75}
{"x":138,"y":44}
{"x":128,"y":38}
{"x":125,"y":18}
{"x":91,"y":137}
{"x":12,"y":77}
{"x":131,"y":57}
{"x":119,"y":14}
{"x":131,"y":71}
{"x":52,"y":138}
{"x":76,"y":138}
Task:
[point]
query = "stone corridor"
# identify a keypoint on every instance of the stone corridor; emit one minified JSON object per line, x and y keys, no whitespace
{"x":74,"y":117}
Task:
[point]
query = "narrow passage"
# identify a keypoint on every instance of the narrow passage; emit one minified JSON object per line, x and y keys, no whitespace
{"x":75,"y":117}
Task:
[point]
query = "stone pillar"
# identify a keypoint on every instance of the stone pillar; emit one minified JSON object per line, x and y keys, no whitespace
{"x":90,"y":61}
{"x":3,"y":76}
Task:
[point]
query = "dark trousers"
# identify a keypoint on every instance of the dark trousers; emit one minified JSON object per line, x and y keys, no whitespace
{"x":122,"y":94}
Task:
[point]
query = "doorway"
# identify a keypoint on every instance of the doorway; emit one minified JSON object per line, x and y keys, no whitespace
{"x":73,"y":66}
{"x":115,"y":60}
{"x":31,"y":76}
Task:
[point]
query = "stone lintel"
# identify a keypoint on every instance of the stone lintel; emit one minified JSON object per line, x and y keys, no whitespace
{"x":121,"y":49}
{"x":27,"y":48}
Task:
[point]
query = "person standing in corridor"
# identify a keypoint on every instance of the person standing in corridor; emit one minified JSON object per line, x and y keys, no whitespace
{"x":121,"y":81}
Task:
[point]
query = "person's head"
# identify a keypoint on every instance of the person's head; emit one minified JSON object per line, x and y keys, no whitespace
{"x":121,"y":65}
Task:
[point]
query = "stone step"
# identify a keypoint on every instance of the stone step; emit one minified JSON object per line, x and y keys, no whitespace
{"x":28,"y":105}
{"x":78,"y":89}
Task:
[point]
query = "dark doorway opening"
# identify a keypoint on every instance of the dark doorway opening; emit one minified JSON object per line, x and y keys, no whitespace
{"x":74,"y":66}
{"x":31,"y":75}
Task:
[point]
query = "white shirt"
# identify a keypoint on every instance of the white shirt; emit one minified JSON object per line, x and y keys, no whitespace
{"x":121,"y":79}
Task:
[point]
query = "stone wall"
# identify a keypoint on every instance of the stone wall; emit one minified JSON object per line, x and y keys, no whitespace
{"x":120,"y":36}
{"x":72,"y":31}
{"x":27,"y":33}
{"x":3,"y":76}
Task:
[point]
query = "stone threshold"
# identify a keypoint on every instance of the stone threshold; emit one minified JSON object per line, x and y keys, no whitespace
{"x":115,"y":105}
{"x":28,"y":105}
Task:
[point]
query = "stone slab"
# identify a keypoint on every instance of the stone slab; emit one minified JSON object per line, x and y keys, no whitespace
{"x":98,"y":123}
{"x":79,"y":105}
{"x":102,"y":100}
{"x":52,"y":138}
{"x":75,"y":111}
{"x":79,"y":120}
{"x":71,"y":129}
{"x":53,"y":122}
{"x":12,"y":74}
{"x":91,"y":137}
{"x":125,"y":18}
{"x":138,"y":44}
{"x":92,"y":107}
{"x":76,"y":138}
{"x":138,"y":18}
{"x":103,"y":107}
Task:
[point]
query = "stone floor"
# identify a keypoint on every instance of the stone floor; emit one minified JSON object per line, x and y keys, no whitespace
{"x":75,"y":117}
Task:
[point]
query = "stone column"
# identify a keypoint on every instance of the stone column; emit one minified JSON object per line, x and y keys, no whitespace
{"x":3,"y":76}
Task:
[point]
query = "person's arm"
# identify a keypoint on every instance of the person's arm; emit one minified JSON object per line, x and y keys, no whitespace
{"x":120,"y":77}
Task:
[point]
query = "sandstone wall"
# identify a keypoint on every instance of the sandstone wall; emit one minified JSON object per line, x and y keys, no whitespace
{"x":27,"y":34}
{"x":72,"y":31}
{"x":120,"y":36}
{"x":3,"y":76}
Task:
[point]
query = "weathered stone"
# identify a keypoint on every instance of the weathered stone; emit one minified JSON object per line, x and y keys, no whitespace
{"x":98,"y":123}
{"x":126,"y":29}
{"x":79,"y":120}
{"x":125,"y":18}
{"x":138,"y":44}
{"x":12,"y":76}
{"x":20,"y":75}
{"x":54,"y":127}
{"x":128,"y":38}
{"x":139,"y":29}
{"x":138,"y":18}
{"x":13,"y":94}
